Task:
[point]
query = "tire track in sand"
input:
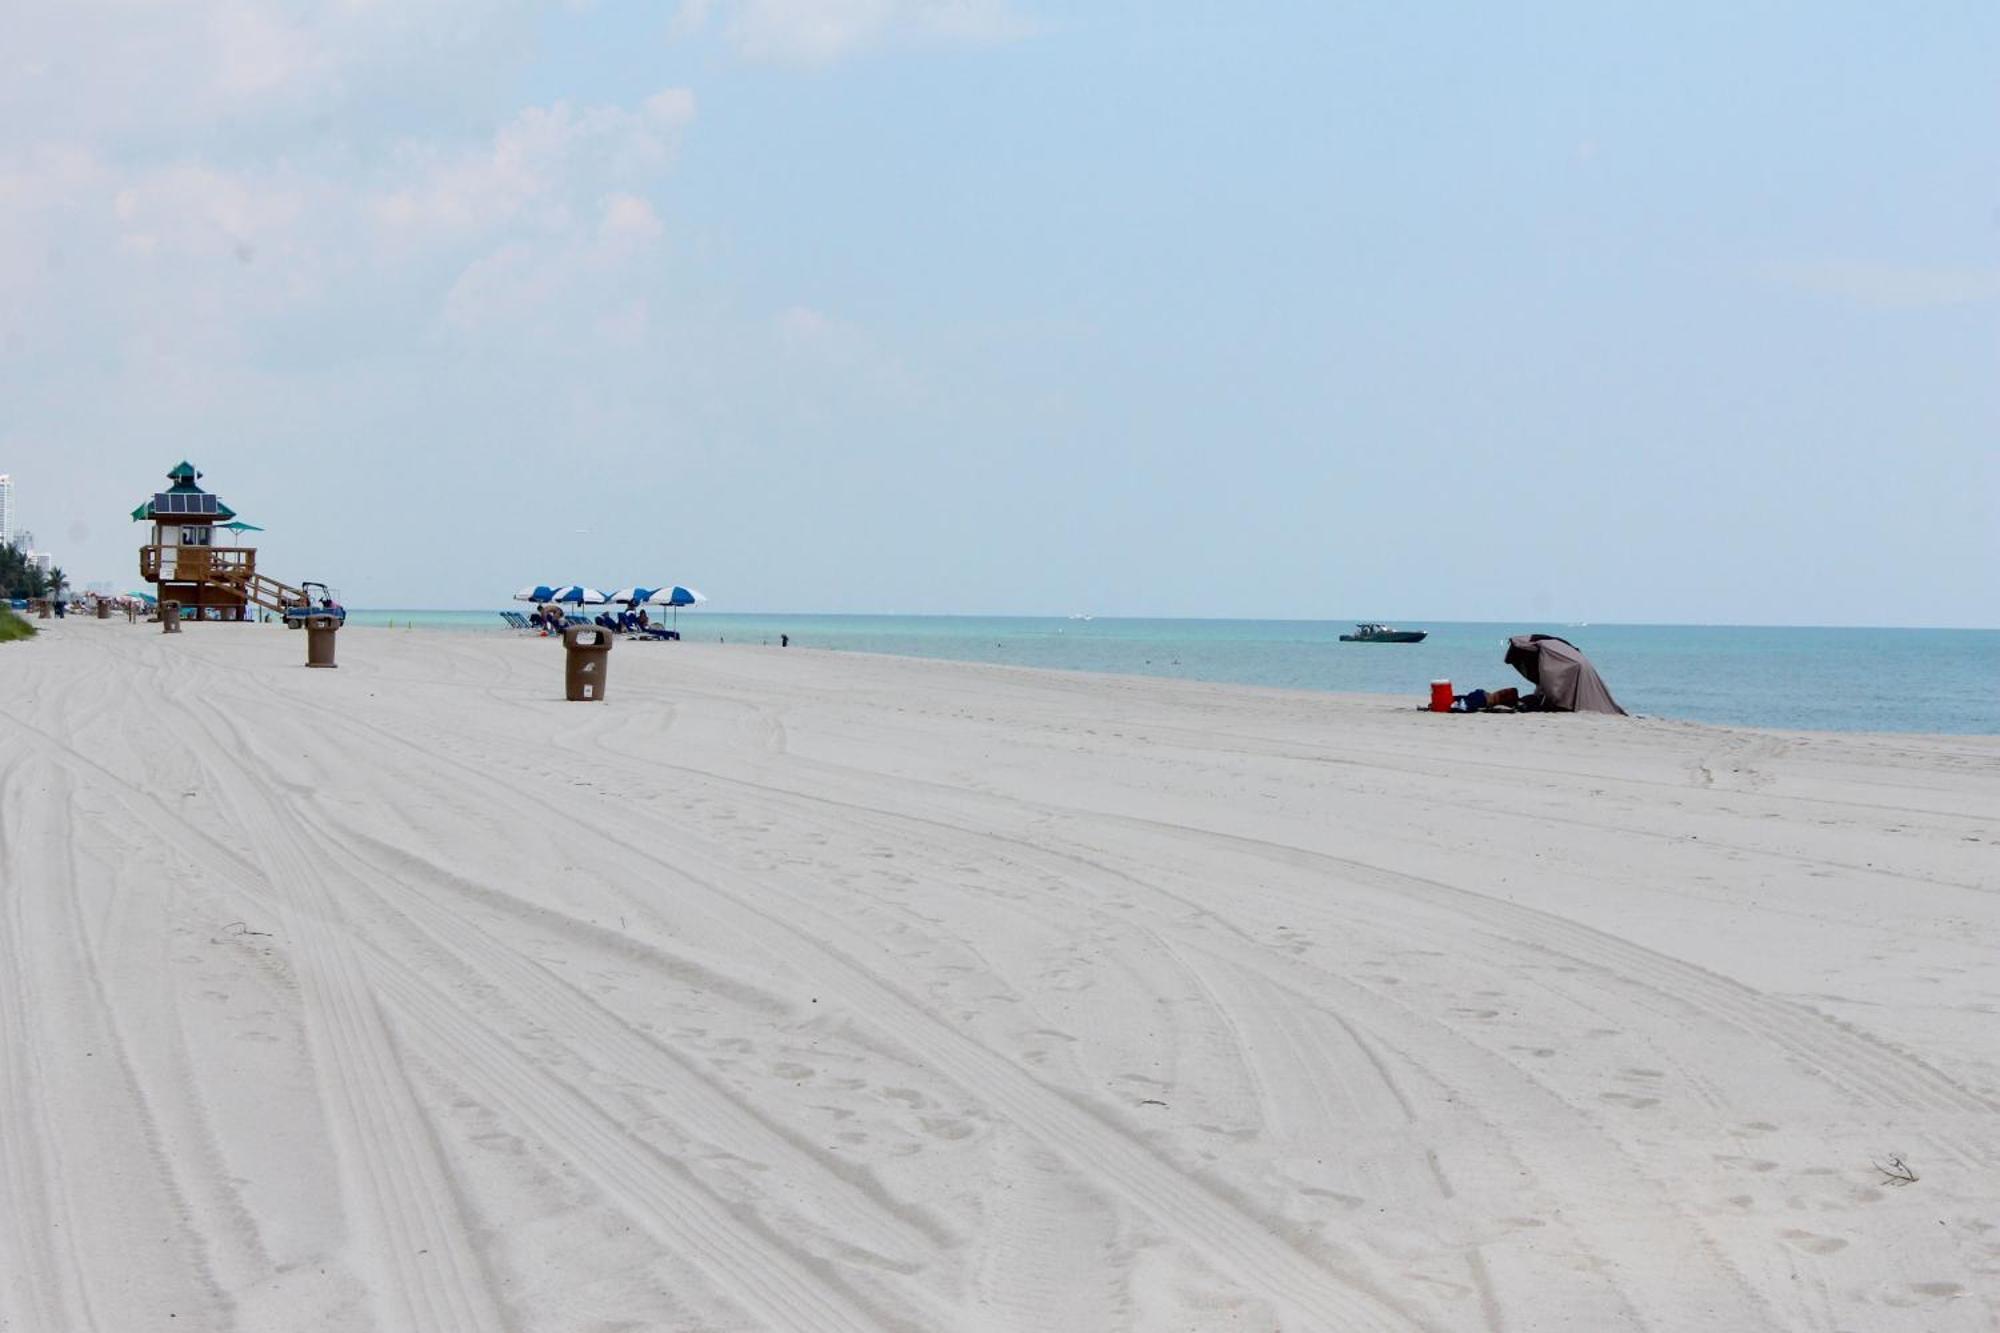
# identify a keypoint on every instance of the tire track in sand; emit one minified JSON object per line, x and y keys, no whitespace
{"x":754,"y":1266}
{"x":1862,"y":1066}
{"x":121,"y":1238}
{"x":855,"y":1206}
{"x":40,"y":1281}
{"x":424,"y":1270}
{"x":1237,"y":1242}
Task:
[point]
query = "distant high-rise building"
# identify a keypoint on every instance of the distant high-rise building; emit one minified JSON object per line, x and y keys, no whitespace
{"x":6,"y":510}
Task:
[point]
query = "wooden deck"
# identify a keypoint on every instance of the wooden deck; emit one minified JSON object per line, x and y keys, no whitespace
{"x":214,"y":576}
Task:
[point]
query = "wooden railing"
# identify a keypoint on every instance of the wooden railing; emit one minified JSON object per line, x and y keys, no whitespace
{"x":231,"y":567}
{"x":196,"y":564}
{"x":270,"y":594}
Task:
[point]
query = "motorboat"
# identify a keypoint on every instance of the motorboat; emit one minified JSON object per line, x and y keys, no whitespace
{"x":1384,"y":634}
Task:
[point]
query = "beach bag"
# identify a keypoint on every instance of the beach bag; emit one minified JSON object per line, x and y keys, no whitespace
{"x":1475,"y":701}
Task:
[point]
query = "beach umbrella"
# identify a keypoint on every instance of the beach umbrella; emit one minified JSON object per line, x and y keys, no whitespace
{"x":541,"y":592}
{"x":145,"y":597}
{"x":579,"y":595}
{"x":676,"y":597}
{"x":239,"y":526}
{"x":1569,"y":683}
{"x":634,"y":594}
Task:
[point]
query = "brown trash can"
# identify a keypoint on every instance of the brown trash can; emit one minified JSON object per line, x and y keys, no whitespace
{"x":170,"y":617}
{"x":586,"y":662}
{"x":103,"y":609}
{"x":319,"y":640}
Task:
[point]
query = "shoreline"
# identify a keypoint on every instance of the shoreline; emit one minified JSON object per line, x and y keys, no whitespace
{"x":1894,"y":682}
{"x":1414,"y":700}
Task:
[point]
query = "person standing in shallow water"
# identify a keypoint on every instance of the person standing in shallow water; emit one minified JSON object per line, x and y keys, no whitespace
{"x":784,"y":640}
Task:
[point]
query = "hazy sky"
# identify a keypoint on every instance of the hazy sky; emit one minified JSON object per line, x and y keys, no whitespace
{"x":1302,"y":310}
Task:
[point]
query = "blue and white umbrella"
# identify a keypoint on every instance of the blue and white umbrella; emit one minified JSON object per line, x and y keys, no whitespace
{"x":578,"y":595}
{"x":541,"y":592}
{"x":674,"y":595}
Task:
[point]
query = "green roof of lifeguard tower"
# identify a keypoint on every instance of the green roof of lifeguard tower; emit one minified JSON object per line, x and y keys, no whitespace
{"x":183,"y":498}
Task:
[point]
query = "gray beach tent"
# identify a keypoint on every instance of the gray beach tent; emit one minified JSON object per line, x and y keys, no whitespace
{"x":1567,"y":680}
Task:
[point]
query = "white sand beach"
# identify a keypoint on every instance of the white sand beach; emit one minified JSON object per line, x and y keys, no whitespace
{"x":797,"y":990}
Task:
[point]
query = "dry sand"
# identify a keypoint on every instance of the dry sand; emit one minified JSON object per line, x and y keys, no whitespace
{"x":792,"y":990}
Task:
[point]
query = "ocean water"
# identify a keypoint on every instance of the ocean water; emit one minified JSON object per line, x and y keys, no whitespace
{"x":1903,"y":680}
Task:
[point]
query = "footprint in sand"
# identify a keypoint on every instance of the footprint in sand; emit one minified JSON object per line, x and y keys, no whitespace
{"x":1757,"y":1164}
{"x":1812,"y":1244}
{"x":947,"y":1127}
{"x":1628,"y":1100}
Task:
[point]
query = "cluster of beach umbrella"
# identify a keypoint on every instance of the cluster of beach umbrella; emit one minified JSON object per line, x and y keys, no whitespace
{"x":576,"y":594}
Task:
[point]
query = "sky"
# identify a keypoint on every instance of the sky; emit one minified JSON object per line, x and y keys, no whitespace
{"x":1558,"y":312}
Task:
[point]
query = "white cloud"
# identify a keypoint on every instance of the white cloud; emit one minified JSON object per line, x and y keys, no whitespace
{"x":825,"y":357}
{"x":148,"y":70}
{"x":576,"y":280}
{"x":499,"y":288}
{"x":801,"y":326}
{"x":1890,"y":286}
{"x":546,"y":216}
{"x":534,"y":165}
{"x":629,"y":221}
{"x":255,"y":51}
{"x":820,"y":32}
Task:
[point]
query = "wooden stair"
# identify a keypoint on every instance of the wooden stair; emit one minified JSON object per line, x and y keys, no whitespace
{"x":259,"y":589}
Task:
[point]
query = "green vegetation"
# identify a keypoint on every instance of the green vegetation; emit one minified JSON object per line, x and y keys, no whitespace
{"x":18,"y":578}
{"x":13,"y":627}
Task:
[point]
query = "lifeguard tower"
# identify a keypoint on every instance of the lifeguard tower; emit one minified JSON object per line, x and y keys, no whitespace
{"x":189,"y":566}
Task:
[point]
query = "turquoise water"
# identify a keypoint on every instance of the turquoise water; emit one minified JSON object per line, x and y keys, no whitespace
{"x":1926,"y":680}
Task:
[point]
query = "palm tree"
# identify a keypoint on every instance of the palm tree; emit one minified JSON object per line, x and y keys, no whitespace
{"x":57,"y":581}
